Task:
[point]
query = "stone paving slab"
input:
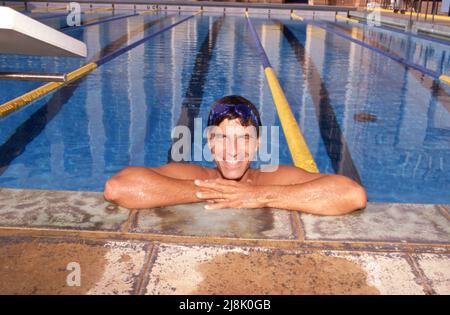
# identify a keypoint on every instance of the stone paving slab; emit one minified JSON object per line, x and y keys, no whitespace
{"x":194,"y":220}
{"x":436,"y":268}
{"x":59,"y":210}
{"x":382,"y":222}
{"x":182,"y":269}
{"x":36,"y":266}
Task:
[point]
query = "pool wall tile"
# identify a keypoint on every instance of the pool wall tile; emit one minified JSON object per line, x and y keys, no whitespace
{"x":194,"y":220}
{"x":59,"y":209}
{"x":381,"y":222}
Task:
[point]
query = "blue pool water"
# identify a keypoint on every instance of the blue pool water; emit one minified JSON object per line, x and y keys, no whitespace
{"x":123,"y":112}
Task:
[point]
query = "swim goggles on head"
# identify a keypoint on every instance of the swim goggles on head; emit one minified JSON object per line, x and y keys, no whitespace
{"x":243,"y":111}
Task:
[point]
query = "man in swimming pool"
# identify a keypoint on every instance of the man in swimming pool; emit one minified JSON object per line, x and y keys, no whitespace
{"x":233,"y":184}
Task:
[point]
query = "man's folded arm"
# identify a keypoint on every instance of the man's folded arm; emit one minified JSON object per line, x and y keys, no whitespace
{"x":325,"y":195}
{"x":148,"y":187}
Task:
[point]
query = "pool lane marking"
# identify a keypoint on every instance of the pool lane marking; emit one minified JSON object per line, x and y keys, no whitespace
{"x":444,"y":78}
{"x":100,"y":20}
{"x":34,"y":125}
{"x":96,"y":21}
{"x":16,"y":7}
{"x":142,"y":40}
{"x":408,"y":34}
{"x":19,"y":102}
{"x":393,"y":29}
{"x":116,"y":18}
{"x":111,"y":47}
{"x":109,"y":19}
{"x":423,"y":80}
{"x":340,"y":17}
{"x":73,"y":28}
{"x":99,"y":10}
{"x":435,"y":75}
{"x":332,"y":136}
{"x":48,"y":9}
{"x":26,"y":98}
{"x":39,"y":18}
{"x":193,"y":97}
{"x":150,"y":11}
{"x":438,"y":17}
{"x":17,"y":142}
{"x":65,"y":14}
{"x":298,"y":148}
{"x":298,"y":17}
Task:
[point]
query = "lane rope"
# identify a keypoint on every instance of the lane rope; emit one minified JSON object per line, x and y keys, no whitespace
{"x":21,"y":101}
{"x":298,"y":148}
{"x":434,"y":74}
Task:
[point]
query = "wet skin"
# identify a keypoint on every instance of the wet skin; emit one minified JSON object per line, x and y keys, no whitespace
{"x":233,"y":184}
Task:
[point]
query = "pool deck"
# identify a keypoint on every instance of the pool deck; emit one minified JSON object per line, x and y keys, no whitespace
{"x":384,"y":249}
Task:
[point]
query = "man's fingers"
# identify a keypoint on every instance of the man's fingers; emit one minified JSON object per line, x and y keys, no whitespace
{"x":205,"y":184}
{"x":210,"y":195}
{"x":215,"y":200}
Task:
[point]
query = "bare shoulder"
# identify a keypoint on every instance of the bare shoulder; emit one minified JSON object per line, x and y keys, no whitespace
{"x":286,"y":175}
{"x":185,"y":171}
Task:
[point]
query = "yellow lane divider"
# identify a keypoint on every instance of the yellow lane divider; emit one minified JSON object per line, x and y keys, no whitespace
{"x":16,"y":7}
{"x":438,"y":17}
{"x":48,"y":9}
{"x":140,"y":13}
{"x":444,"y":78}
{"x":92,"y":10}
{"x":33,"y":95}
{"x":340,"y":17}
{"x":381,"y":10}
{"x":150,"y":11}
{"x":295,"y":16}
{"x":301,"y":155}
{"x":26,"y":98}
{"x":296,"y":142}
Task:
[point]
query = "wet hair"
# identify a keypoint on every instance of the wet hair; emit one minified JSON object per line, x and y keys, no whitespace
{"x":234,"y":107}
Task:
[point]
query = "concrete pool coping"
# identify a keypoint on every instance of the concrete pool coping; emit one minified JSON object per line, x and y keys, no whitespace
{"x":387,"y":243}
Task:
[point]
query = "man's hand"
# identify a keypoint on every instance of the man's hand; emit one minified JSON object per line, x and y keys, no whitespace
{"x":222,"y":193}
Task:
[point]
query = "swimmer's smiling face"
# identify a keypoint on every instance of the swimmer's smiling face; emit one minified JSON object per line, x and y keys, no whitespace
{"x":233,"y":147}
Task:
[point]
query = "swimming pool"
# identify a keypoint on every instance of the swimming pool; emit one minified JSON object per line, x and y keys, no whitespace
{"x":363,"y":114}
